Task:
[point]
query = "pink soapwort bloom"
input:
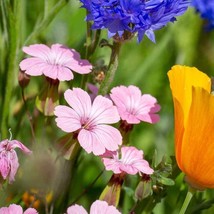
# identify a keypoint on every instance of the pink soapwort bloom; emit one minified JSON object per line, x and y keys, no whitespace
{"x":16,"y":209}
{"x":97,"y":207}
{"x":134,"y":107}
{"x":8,"y":158}
{"x":129,"y":160}
{"x":76,"y":209}
{"x":89,"y":120}
{"x":56,"y":62}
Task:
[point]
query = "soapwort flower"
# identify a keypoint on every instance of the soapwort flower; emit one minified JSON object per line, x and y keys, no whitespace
{"x":8,"y":158}
{"x":90,"y":121}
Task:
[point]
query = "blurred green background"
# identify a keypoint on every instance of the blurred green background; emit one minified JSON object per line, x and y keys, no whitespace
{"x":145,"y":65}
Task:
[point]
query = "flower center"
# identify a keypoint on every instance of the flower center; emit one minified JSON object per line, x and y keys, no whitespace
{"x":87,"y":123}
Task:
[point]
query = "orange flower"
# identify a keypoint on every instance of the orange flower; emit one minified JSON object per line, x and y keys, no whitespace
{"x":194,"y":125}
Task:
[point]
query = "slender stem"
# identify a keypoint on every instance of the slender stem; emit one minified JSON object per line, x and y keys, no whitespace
{"x":89,"y":52}
{"x":187,"y":200}
{"x":94,"y":43}
{"x":88,"y":38}
{"x":46,"y":21}
{"x":13,"y":33}
{"x":29,"y":116}
{"x":112,"y":67}
{"x":88,"y":188}
{"x":47,"y":6}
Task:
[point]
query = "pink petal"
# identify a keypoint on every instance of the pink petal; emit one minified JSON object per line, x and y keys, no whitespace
{"x":51,"y":71}
{"x":67,"y":119}
{"x":33,"y":66}
{"x":90,"y":143}
{"x":38,"y":50}
{"x":103,"y":111}
{"x":112,"y":164}
{"x":133,"y":161}
{"x":3,"y":144}
{"x":80,"y":66}
{"x":150,"y":118}
{"x":109,"y":136}
{"x":143,"y":166}
{"x":70,"y":59}
{"x":4,"y":166}
{"x":119,"y":96}
{"x":14,"y":165}
{"x":65,"y":74}
{"x":76,"y":209}
{"x":79,"y":100}
{"x":17,"y":144}
{"x":15,"y":209}
{"x":4,"y":210}
{"x":30,"y":211}
{"x":130,"y":118}
{"x":100,"y":138}
{"x":99,"y":207}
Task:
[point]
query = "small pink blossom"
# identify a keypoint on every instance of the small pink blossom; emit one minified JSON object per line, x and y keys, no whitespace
{"x":76,"y":209}
{"x":90,"y":120}
{"x":129,"y":160}
{"x":56,"y":62}
{"x":133,"y":106}
{"x":16,"y":209}
{"x":97,"y":207}
{"x":8,"y":158}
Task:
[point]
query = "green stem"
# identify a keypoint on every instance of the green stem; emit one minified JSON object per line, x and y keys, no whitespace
{"x":113,"y":64}
{"x":88,"y":188}
{"x":13,"y":42}
{"x":90,"y":49}
{"x":48,"y":5}
{"x":187,"y":200}
{"x":46,"y":21}
{"x":94,"y":42}
{"x":29,"y":117}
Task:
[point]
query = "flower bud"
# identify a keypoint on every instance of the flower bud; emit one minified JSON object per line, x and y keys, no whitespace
{"x":23,"y":79}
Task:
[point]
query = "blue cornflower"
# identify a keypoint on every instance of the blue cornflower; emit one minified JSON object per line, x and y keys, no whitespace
{"x":206,"y":9}
{"x":134,"y":16}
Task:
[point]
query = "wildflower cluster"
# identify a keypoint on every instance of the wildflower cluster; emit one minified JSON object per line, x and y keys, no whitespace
{"x":75,"y":113}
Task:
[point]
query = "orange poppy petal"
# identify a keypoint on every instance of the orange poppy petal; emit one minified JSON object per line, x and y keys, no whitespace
{"x":179,"y":129}
{"x":182,"y":78}
{"x":197,"y":152}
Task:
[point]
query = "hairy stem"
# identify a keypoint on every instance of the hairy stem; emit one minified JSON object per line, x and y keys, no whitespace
{"x":112,"y":67}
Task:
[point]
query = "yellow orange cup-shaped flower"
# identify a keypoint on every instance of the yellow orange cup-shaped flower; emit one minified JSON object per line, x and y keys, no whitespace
{"x":194,"y":125}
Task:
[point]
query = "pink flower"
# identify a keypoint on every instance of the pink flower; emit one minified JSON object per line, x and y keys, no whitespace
{"x":129,"y":160}
{"x":133,"y":106}
{"x":56,"y":62}
{"x":97,"y":207}
{"x":8,"y":158}
{"x":90,"y":120}
{"x":16,"y":209}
